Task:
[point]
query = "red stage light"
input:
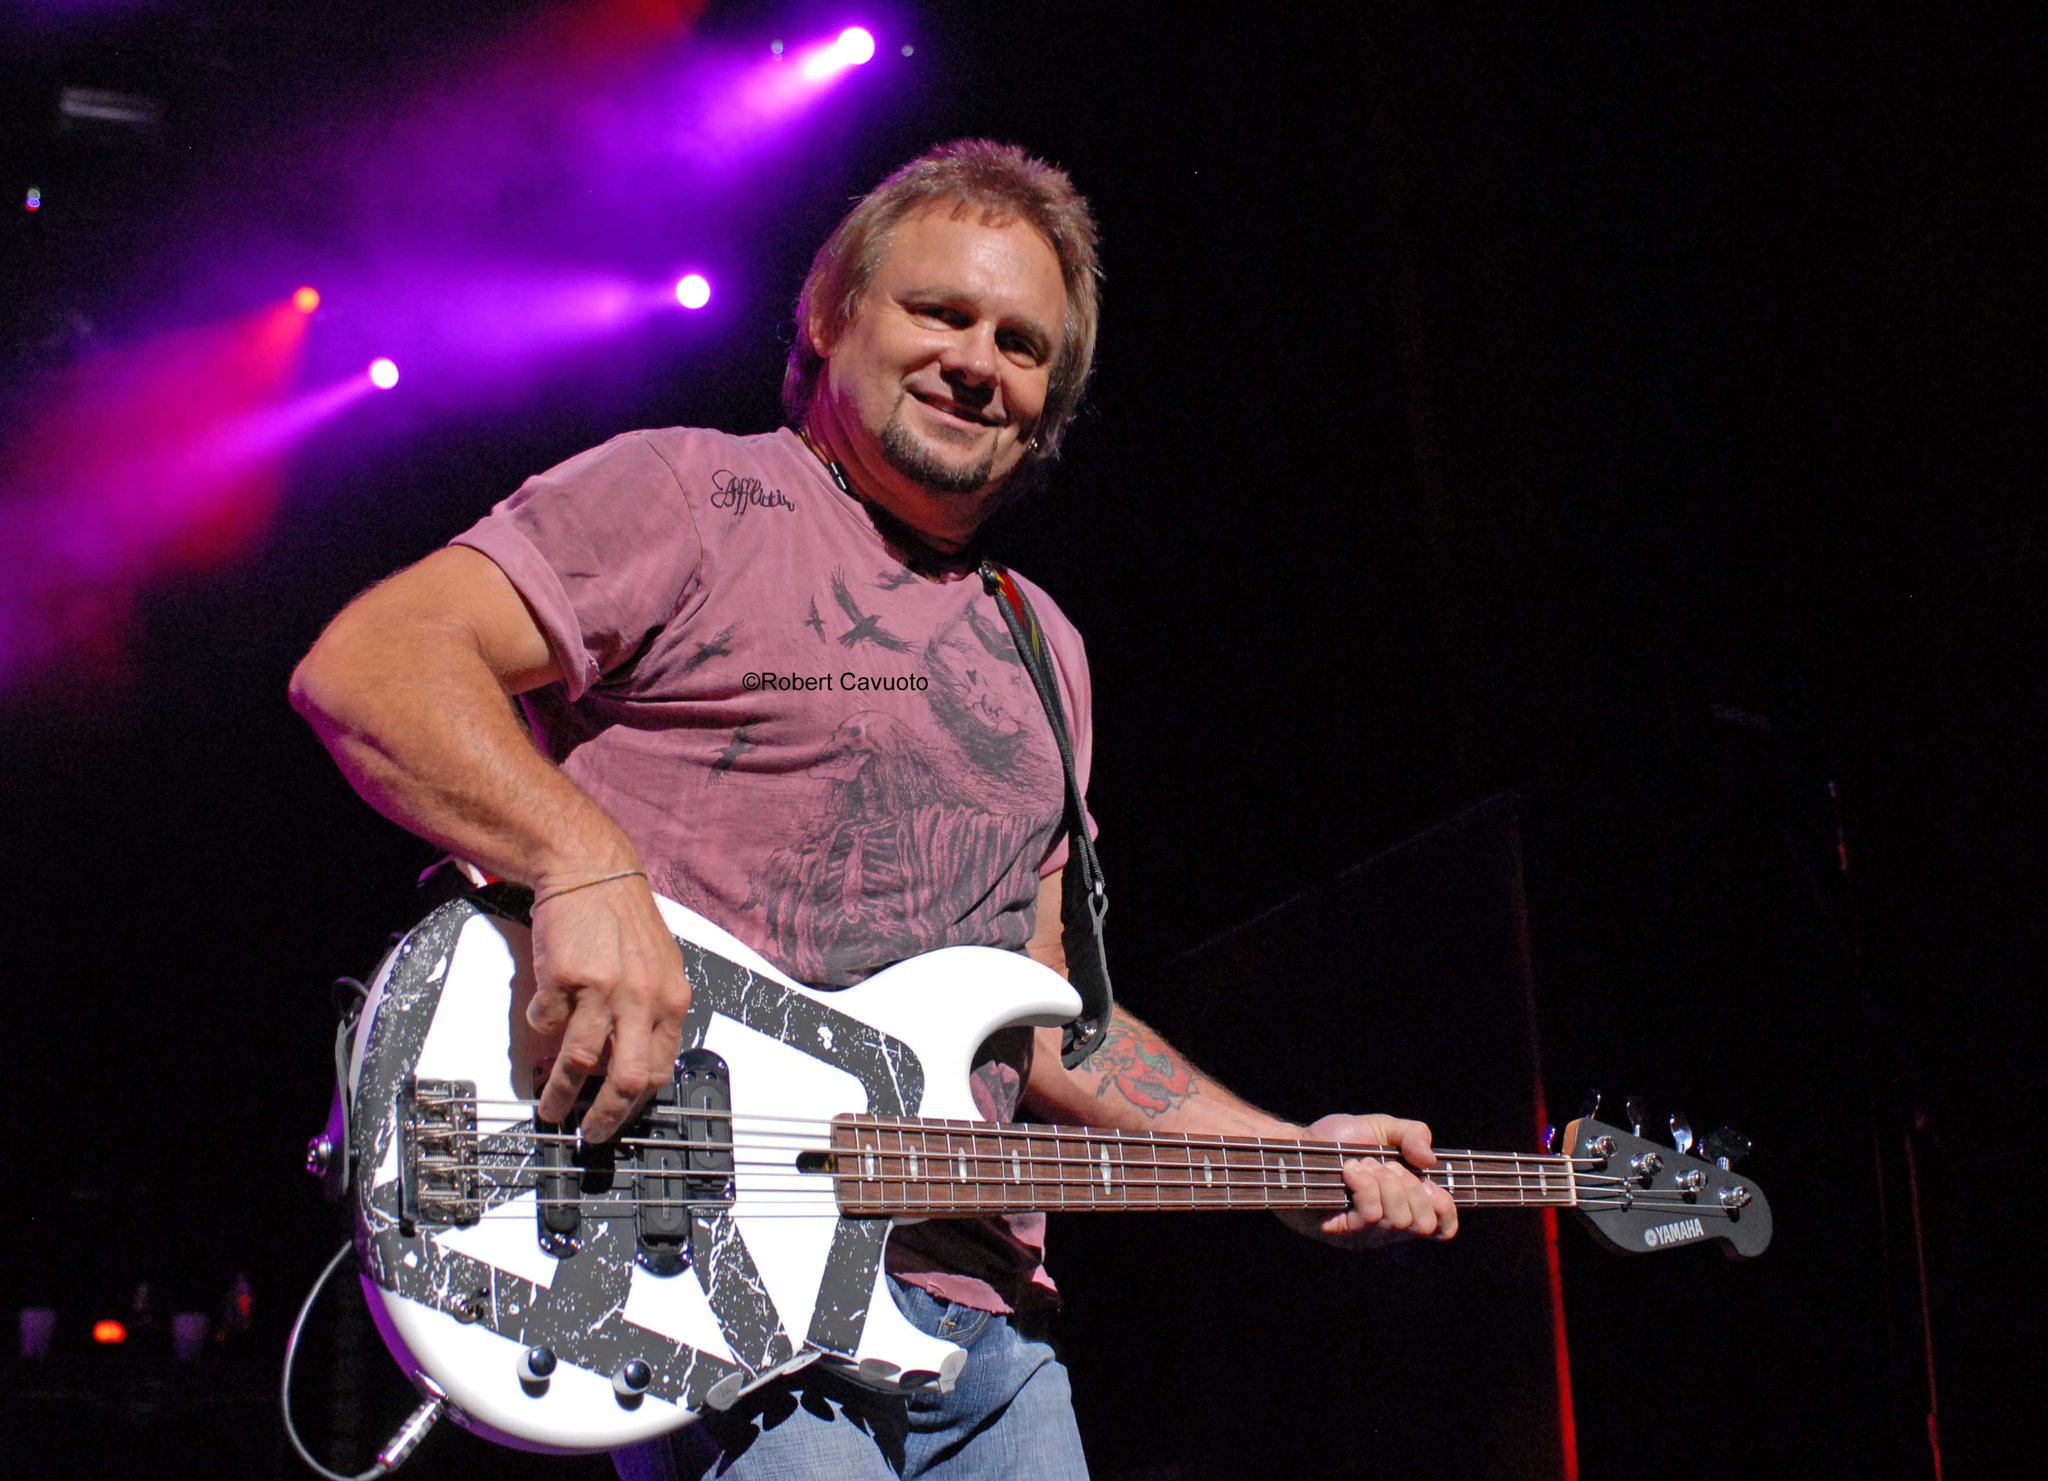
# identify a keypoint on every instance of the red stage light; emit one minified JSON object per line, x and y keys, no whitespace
{"x":109,"y":1332}
{"x":306,"y":300}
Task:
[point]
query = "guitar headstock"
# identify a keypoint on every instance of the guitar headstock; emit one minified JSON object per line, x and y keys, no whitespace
{"x":1639,"y":1196}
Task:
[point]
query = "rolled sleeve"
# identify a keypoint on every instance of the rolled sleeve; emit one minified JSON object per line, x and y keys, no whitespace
{"x":602,"y":548}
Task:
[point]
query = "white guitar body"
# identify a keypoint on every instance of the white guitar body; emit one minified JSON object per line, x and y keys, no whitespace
{"x":463,"y":1301}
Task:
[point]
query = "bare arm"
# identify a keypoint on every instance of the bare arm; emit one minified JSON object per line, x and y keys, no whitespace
{"x":408,"y":688}
{"x":1138,"y":1082}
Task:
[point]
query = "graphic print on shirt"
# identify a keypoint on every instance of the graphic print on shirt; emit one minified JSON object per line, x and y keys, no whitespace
{"x":920,"y":838}
{"x":742,"y":742}
{"x":865,"y":629}
{"x":720,"y":646}
{"x":740,"y":493}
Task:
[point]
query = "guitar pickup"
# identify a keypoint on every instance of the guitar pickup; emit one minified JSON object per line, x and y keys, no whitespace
{"x":568,"y":1171}
{"x":685,"y":1164}
{"x":440,"y":1180}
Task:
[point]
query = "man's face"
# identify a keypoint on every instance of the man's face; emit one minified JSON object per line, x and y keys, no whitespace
{"x":932,"y":393}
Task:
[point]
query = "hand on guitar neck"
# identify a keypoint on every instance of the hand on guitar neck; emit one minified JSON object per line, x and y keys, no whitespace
{"x":1387,"y":1196}
{"x":1137,"y":1082}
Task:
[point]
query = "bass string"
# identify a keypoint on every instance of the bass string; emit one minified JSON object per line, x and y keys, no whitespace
{"x":810,"y":1126}
{"x":894,"y":1166}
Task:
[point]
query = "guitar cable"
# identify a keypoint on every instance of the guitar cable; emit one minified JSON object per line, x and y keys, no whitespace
{"x":402,"y":1442}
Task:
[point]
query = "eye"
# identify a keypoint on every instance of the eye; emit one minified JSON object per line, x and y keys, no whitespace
{"x":1023,"y":348}
{"x":939,"y":313}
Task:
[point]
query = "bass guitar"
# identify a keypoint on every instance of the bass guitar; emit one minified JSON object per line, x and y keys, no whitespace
{"x":566,"y":1297}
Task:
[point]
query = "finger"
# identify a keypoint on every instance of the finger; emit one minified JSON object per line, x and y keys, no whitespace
{"x":1447,"y":1213}
{"x":1366,"y":1208}
{"x":581,"y":1052}
{"x":1418,"y":1147}
{"x":1380,"y":1198}
{"x":609,"y":1110}
{"x":548,"y":1012}
{"x":671,"y":1007}
{"x":1397,"y":1195}
{"x":630,"y":1074}
{"x":1424,"y":1208}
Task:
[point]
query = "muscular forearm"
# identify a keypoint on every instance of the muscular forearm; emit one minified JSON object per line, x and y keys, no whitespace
{"x":1138,"y":1082}
{"x":400,"y":691}
{"x":409,"y":689}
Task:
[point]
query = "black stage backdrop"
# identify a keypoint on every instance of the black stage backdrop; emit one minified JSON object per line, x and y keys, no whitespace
{"x":1624,"y":408}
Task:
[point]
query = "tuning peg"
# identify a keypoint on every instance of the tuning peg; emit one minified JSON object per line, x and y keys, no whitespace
{"x":1681,"y":1133}
{"x":1725,"y":1147}
{"x":1637,"y":1114}
{"x":1550,"y":1138}
{"x":1590,"y":1106}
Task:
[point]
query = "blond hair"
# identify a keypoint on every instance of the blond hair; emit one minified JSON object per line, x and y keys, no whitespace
{"x":1004,"y":183}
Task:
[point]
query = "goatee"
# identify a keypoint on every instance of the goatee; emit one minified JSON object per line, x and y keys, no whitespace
{"x":914,"y":460}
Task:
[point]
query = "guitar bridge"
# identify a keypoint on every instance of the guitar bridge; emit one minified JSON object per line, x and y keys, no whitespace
{"x":439,"y":1177}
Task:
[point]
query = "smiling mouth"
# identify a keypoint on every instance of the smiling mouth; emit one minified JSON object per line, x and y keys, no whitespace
{"x":954,"y":410}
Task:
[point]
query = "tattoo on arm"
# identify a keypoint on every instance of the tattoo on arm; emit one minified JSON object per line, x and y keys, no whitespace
{"x":1143,"y":1068}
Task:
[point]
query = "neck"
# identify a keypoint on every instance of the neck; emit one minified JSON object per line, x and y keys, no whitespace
{"x":920,"y":551}
{"x":904,"y":1165}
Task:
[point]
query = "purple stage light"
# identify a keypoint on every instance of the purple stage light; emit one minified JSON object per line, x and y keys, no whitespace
{"x":852,"y":47}
{"x":34,"y":201}
{"x":383,"y":374}
{"x":693,"y":290}
{"x":38,"y":1331}
{"x":188,"y":1335}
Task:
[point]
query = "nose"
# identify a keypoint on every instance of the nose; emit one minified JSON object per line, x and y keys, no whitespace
{"x":970,"y":364}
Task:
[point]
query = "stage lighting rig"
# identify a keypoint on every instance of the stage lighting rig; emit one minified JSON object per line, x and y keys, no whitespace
{"x":96,"y":113}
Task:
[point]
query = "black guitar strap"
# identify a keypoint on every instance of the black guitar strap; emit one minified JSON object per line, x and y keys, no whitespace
{"x":1084,"y":901}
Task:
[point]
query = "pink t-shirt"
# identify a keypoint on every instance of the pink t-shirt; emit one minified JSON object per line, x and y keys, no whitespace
{"x":838,"y":759}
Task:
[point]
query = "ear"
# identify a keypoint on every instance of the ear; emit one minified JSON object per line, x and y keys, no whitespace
{"x":814,"y":331}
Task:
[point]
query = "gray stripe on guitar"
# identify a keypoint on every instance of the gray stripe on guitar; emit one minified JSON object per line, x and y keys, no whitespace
{"x":888,"y":1071}
{"x":579,"y":1317}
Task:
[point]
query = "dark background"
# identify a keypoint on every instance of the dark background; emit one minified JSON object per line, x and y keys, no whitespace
{"x":1632,"y":409}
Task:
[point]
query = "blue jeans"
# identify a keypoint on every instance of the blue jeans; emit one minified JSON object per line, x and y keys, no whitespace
{"x":1010,"y":1415}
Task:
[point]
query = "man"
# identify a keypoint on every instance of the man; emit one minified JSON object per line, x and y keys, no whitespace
{"x":902,"y":794}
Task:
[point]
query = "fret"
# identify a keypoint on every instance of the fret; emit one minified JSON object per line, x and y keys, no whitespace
{"x":1150,"y":1188}
{"x":1161,"y":1186}
{"x":1180,"y":1188}
{"x":1238,"y":1164}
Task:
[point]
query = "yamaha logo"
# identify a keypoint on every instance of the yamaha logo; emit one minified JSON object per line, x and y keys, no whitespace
{"x":1659,"y":1235}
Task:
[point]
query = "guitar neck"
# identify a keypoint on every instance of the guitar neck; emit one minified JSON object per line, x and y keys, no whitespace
{"x":910,"y":1165}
